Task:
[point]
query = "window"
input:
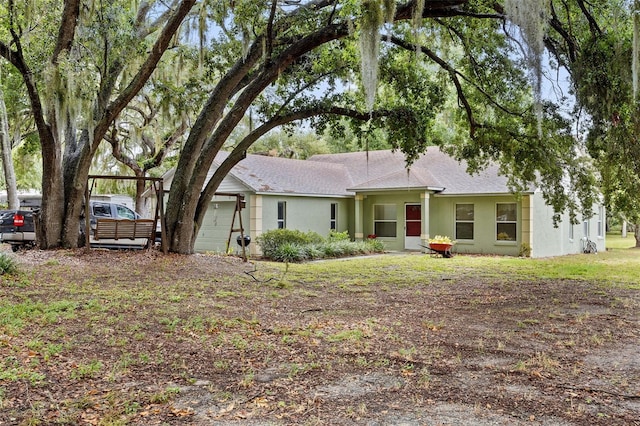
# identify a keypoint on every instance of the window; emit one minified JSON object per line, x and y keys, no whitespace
{"x":334,"y":217}
{"x":124,"y":212}
{"x":282,"y":214}
{"x":570,"y":230}
{"x":384,"y":220}
{"x":585,"y":228}
{"x":600,"y":224}
{"x":101,"y":210}
{"x":506,"y":221}
{"x":464,"y":221}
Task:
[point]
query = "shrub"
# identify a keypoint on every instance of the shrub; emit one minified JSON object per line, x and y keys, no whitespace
{"x":314,"y":251}
{"x":374,"y":246}
{"x":334,"y":249}
{"x":271,"y":240}
{"x":289,"y":252}
{"x":7,"y":264}
{"x":339,"y":236}
{"x":286,"y":245}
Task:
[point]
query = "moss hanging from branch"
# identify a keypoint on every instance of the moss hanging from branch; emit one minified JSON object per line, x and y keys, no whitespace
{"x":373,"y":16}
{"x":532,"y":17}
{"x":390,"y":10}
{"x":416,"y":22}
{"x":635,"y":62}
{"x":417,"y":14}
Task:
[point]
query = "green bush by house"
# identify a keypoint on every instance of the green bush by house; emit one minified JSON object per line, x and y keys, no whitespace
{"x":287,"y":245}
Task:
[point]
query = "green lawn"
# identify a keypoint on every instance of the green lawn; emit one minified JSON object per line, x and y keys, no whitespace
{"x":618,"y":266}
{"x":615,"y":241}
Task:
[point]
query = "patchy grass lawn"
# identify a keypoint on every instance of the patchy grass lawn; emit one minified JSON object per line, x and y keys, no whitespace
{"x":616,"y":242}
{"x":118,"y":338}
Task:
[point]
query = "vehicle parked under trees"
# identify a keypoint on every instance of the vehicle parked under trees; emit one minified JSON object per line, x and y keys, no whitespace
{"x":17,"y":227}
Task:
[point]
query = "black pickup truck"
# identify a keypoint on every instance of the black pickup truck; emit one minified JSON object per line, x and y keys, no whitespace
{"x":17,"y":228}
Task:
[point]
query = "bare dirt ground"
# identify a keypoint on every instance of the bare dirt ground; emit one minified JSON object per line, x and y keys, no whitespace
{"x":144,"y":339}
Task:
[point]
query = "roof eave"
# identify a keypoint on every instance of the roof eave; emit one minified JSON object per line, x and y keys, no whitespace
{"x":434,"y":189}
{"x":298,"y":194}
{"x":482,"y":194}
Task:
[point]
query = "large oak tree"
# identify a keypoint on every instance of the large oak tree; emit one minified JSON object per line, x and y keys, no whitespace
{"x":449,"y":72}
{"x":81,"y":64}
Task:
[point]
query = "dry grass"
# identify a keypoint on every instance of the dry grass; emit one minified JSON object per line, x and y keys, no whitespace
{"x":112,"y":338}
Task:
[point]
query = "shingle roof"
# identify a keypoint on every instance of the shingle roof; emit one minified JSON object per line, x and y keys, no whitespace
{"x":386,"y":170}
{"x":347,"y":173}
{"x":264,"y":174}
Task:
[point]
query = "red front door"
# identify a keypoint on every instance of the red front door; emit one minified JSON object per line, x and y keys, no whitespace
{"x":413,"y":226}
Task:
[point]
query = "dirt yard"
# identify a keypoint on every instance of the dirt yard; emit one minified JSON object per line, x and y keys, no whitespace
{"x":113,"y":338}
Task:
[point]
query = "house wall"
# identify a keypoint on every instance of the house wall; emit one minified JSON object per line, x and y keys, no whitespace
{"x":214,"y":232}
{"x":566,"y":238}
{"x":260,"y":215}
{"x":442,"y":222}
{"x":307,"y":213}
{"x":534,"y":225}
{"x":548,"y":240}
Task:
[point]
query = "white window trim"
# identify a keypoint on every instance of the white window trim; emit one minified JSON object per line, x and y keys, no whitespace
{"x":600,"y":224}
{"x":281,"y":220}
{"x":586,"y":229}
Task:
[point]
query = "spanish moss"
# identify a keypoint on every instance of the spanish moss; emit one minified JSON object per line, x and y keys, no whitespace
{"x":532,"y":17}
{"x":635,"y":62}
{"x":372,"y":19}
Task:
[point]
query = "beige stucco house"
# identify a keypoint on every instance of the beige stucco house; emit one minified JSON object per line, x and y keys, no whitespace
{"x":372,"y":193}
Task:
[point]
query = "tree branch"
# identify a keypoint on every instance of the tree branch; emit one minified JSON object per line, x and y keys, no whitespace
{"x":454,"y":75}
{"x":239,"y":151}
{"x":593,"y":25}
{"x":168,"y":143}
{"x":270,"y":37}
{"x":145,"y":71}
{"x":156,"y":157}
{"x":16,"y":58}
{"x":572,"y":46}
{"x":67,"y":28}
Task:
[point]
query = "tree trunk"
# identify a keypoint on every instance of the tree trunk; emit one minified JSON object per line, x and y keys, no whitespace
{"x":7,"y":158}
{"x":185,"y":191}
{"x":65,"y":176}
{"x":76,"y":173}
{"x":636,"y":233}
{"x":141,"y":203}
{"x":186,"y":204}
{"x":52,"y":210}
{"x":199,"y":152}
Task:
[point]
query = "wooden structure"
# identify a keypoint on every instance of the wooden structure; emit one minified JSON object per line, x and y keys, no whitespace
{"x":115,"y":229}
{"x":240,"y":204}
{"x":109,"y":228}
